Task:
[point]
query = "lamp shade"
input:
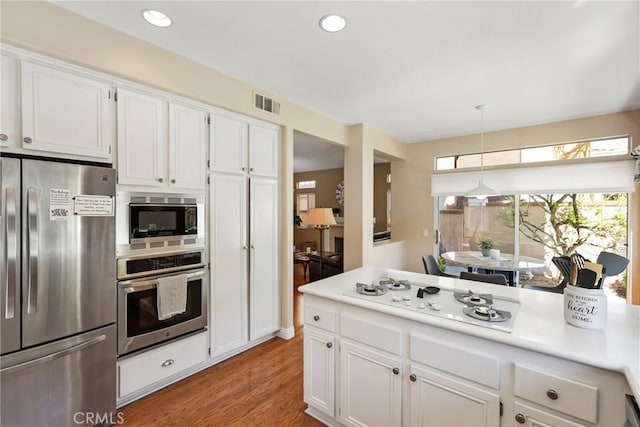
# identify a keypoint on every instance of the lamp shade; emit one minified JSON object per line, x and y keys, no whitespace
{"x":481,"y":191}
{"x":320,"y":216}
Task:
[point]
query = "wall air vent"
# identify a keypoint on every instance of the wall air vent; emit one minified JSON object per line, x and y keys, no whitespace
{"x":262,"y":102}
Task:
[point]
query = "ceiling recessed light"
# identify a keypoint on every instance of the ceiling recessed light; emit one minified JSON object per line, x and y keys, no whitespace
{"x":332,"y":23}
{"x":157,"y":18}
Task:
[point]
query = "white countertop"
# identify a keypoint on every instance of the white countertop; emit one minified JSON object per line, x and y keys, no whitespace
{"x":539,"y":324}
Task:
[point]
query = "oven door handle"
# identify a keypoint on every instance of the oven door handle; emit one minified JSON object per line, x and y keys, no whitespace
{"x":138,"y":285}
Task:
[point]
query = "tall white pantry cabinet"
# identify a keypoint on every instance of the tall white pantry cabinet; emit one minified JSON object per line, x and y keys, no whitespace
{"x":244,"y":233}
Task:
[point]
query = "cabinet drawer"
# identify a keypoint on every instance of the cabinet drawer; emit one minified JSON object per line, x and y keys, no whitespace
{"x":562,"y":394}
{"x":464,"y":362}
{"x":155,"y":365}
{"x":320,"y":318}
{"x":375,"y":335}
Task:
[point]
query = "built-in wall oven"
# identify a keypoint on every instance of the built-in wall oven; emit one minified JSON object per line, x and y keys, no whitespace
{"x":151,"y":223}
{"x":139,"y":325}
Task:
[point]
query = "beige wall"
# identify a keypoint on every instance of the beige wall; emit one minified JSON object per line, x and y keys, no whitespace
{"x":413,"y":207}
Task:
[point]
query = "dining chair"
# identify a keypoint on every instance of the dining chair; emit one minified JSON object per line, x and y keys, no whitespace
{"x":563,"y":263}
{"x":431,"y":267}
{"x":496,"y":279}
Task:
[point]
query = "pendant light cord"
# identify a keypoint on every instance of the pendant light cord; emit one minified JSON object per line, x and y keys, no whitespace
{"x":481,"y":107}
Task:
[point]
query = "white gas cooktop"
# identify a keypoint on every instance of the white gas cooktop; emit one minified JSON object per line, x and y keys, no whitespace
{"x":468,"y":307}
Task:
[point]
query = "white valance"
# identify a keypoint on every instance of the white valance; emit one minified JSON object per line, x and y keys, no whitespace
{"x":598,"y":177}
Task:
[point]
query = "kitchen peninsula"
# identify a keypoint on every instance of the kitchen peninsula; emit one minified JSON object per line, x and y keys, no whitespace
{"x":395,"y":359}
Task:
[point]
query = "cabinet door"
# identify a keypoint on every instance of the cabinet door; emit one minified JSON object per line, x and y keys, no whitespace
{"x":527,"y":416}
{"x":370,"y":385}
{"x":65,"y":113}
{"x":228,"y":145}
{"x":319,"y":371}
{"x":264,"y":293}
{"x":439,"y":400}
{"x":228,"y":227}
{"x":142,"y":139}
{"x":187,"y":148}
{"x":264,"y":151}
{"x":10,"y":104}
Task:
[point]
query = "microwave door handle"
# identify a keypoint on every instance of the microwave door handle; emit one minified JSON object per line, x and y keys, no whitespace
{"x":32,"y":251}
{"x":11,"y":252}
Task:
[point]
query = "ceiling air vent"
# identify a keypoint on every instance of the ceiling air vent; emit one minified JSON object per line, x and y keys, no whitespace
{"x":261,"y":102}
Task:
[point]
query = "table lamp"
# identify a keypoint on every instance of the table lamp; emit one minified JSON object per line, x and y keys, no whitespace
{"x":321,"y":219}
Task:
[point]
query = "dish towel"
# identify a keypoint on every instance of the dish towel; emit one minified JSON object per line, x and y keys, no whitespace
{"x":172,"y":296}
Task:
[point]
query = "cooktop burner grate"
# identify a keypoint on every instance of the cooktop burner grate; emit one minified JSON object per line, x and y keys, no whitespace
{"x":472,"y":299}
{"x":487,"y":313}
{"x":395,"y":285}
{"x":370,"y":289}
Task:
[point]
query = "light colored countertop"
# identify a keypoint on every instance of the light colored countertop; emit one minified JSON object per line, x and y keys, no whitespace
{"x":539,"y":324}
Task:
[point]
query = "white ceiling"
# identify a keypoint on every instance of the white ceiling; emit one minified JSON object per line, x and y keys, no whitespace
{"x":416,"y":69}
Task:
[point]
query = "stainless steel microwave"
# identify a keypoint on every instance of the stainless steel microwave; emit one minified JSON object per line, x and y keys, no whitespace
{"x":149,"y":224}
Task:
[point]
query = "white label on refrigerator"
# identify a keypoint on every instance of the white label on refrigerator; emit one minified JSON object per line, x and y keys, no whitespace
{"x":93,"y":205}
{"x":59,"y":200}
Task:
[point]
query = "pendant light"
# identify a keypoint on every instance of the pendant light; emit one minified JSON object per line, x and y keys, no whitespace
{"x":481,"y":191}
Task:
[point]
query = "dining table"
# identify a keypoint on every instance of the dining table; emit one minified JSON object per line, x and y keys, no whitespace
{"x":508,"y":264}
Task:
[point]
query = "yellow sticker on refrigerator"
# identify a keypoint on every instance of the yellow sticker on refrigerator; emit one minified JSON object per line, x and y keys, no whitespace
{"x":59,"y":200}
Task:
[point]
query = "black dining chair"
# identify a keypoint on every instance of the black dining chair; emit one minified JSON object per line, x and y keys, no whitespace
{"x":496,"y":279}
{"x":563,"y":263}
{"x":431,"y":267}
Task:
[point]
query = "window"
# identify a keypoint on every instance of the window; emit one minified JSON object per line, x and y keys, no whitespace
{"x":306,"y":185}
{"x":550,"y":153}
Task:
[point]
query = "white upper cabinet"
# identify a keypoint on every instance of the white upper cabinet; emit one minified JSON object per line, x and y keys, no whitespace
{"x":142,"y":139}
{"x":241,"y":147}
{"x":161,"y":145}
{"x":187,"y":148}
{"x":10,"y":107}
{"x":228,"y":145}
{"x":65,"y":113}
{"x":263,"y":151}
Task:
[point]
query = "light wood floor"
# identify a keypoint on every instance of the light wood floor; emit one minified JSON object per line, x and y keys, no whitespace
{"x":260,"y":387}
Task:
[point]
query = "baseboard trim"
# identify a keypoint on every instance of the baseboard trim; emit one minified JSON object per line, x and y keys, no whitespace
{"x":286,"y":333}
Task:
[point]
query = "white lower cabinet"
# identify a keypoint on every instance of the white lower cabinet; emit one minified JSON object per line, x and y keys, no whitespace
{"x":370,"y":386}
{"x":320,"y":363}
{"x":437,"y":399}
{"x":394,"y":372}
{"x":140,"y":371}
{"x":529,"y":416}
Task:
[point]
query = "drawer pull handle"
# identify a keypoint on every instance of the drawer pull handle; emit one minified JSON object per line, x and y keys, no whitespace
{"x":3,"y":137}
{"x":413,"y":377}
{"x":168,"y":362}
{"x":396,"y":371}
{"x":329,"y":344}
{"x":520,"y":419}
{"x":173,"y":181}
{"x":28,"y":140}
{"x":160,"y":179}
{"x":316,"y":317}
{"x":552,"y":394}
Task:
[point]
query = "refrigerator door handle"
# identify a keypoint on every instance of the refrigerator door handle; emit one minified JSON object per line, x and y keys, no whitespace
{"x":53,"y":356}
{"x":11,"y":253}
{"x":32,"y":251}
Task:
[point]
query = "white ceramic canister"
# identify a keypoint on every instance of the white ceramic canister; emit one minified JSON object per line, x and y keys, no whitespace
{"x":494,"y":253}
{"x":585,"y":308}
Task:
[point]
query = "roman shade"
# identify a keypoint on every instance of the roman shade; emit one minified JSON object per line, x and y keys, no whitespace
{"x":592,"y":177}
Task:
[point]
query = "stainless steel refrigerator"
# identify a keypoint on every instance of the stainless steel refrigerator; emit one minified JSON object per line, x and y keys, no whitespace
{"x":57,"y":294}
